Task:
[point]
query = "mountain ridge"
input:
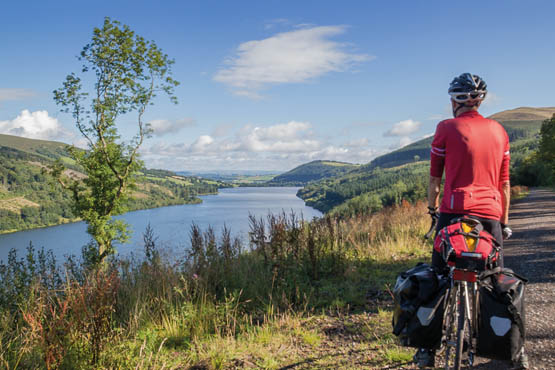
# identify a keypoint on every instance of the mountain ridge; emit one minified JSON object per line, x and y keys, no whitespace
{"x":28,"y":199}
{"x":312,"y":171}
{"x":402,"y":173}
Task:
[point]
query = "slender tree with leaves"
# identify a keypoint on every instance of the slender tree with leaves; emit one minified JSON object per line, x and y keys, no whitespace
{"x":547,"y":146}
{"x":126,"y":73}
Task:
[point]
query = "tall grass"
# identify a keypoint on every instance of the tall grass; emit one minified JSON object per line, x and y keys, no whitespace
{"x":224,"y":301}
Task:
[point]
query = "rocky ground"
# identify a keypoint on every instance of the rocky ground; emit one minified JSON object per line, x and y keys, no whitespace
{"x":531,"y":252}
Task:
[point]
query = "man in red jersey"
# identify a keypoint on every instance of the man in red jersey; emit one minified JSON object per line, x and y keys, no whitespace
{"x":473,"y":151}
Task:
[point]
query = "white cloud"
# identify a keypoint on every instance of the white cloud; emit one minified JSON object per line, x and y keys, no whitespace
{"x":491,"y":99}
{"x":202,"y":144}
{"x":161,"y":127}
{"x":278,"y":147}
{"x":288,"y":137}
{"x":403,"y":141}
{"x":403,"y":128}
{"x":35,"y":125}
{"x":16,"y":94}
{"x":287,"y":57}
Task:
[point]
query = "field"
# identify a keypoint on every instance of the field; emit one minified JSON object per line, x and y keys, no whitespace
{"x":303,"y":295}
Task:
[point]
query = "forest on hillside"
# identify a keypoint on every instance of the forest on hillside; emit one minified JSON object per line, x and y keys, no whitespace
{"x":403,"y":174}
{"x":29,"y":198}
{"x":310,"y":172}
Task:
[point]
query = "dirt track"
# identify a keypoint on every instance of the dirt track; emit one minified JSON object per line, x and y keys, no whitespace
{"x":531,"y":252}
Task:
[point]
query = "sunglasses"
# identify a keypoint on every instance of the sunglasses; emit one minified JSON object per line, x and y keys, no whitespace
{"x":464,"y":97}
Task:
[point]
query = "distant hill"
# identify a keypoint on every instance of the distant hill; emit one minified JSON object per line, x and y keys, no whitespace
{"x":524,"y":114}
{"x":236,"y":177}
{"x":27,"y":198}
{"x":519,"y":123}
{"x":402,"y":173}
{"x":312,"y":171}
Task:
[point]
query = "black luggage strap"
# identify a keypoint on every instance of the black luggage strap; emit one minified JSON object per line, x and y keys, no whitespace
{"x":499,"y":269}
{"x":518,"y":319}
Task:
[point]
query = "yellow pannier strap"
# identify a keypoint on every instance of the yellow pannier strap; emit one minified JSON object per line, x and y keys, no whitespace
{"x":470,"y":241}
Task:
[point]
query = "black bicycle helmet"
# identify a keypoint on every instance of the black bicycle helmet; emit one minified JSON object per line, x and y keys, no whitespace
{"x":468,"y":88}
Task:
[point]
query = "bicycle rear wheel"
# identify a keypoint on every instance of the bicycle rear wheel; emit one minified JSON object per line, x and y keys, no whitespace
{"x":450,"y":326}
{"x":461,"y":328}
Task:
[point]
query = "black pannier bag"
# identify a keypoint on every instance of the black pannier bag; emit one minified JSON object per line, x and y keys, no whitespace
{"x":501,"y":324}
{"x":419,"y":295}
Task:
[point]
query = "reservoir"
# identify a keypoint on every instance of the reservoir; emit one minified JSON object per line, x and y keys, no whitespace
{"x":171,"y":225}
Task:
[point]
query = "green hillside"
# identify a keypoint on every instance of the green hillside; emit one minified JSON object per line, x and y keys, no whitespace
{"x":403,"y":173}
{"x":28,"y":199}
{"x":367,"y":190}
{"x":312,"y":171}
{"x":520,"y":123}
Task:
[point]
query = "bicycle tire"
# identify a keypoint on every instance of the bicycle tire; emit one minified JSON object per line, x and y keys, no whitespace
{"x":449,"y":325}
{"x":461,"y":307}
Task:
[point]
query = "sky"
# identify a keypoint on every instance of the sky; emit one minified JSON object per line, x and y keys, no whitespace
{"x":269,"y":85}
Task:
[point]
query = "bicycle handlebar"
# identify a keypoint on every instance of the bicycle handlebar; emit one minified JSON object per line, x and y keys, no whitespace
{"x":432,"y":226}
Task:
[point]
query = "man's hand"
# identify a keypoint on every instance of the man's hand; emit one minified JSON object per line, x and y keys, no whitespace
{"x":433,"y":212}
{"x":433,"y":192}
{"x":507,"y":232}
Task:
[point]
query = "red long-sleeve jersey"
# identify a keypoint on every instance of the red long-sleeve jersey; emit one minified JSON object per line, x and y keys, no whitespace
{"x":474,"y":151}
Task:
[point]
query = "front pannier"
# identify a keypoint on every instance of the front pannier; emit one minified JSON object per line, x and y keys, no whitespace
{"x":419,"y":295}
{"x":501,"y":325}
{"x":466,"y":245}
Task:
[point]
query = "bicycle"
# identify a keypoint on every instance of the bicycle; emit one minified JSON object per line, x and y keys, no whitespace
{"x":460,"y":320}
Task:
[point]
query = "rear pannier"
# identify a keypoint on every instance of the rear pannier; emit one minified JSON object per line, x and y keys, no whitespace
{"x":501,"y":325}
{"x":466,"y":245}
{"x":419,"y":295}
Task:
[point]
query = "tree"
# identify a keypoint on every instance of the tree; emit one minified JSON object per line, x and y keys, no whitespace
{"x":127,"y":72}
{"x":546,"y":150}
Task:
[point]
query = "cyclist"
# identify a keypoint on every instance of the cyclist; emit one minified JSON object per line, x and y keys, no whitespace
{"x":473,"y":151}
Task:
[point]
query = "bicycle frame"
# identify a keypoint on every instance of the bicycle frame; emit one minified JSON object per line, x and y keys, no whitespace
{"x":461,"y":317}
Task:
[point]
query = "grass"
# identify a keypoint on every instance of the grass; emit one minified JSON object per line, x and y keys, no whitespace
{"x":519,"y":192}
{"x":304,"y":296}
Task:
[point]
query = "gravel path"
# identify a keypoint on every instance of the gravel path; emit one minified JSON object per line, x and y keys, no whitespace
{"x":531,"y":252}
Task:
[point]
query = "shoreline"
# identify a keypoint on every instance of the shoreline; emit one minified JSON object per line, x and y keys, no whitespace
{"x":196,"y":200}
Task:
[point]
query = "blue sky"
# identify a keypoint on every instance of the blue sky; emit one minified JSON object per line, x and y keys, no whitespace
{"x":268,"y":85}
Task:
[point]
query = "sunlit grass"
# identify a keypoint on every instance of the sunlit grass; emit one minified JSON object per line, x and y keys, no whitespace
{"x":306,"y":294}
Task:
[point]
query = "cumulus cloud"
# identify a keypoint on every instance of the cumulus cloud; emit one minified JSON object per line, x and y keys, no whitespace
{"x":403,"y":128}
{"x":201,"y":144}
{"x":287,"y":57}
{"x":161,"y":127}
{"x":491,"y":99}
{"x":16,"y":94}
{"x":288,"y":137}
{"x":403,"y":141}
{"x":35,"y":125}
{"x":276,"y":147}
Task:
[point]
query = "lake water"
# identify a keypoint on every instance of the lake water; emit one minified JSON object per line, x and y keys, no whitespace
{"x":170,"y":224}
